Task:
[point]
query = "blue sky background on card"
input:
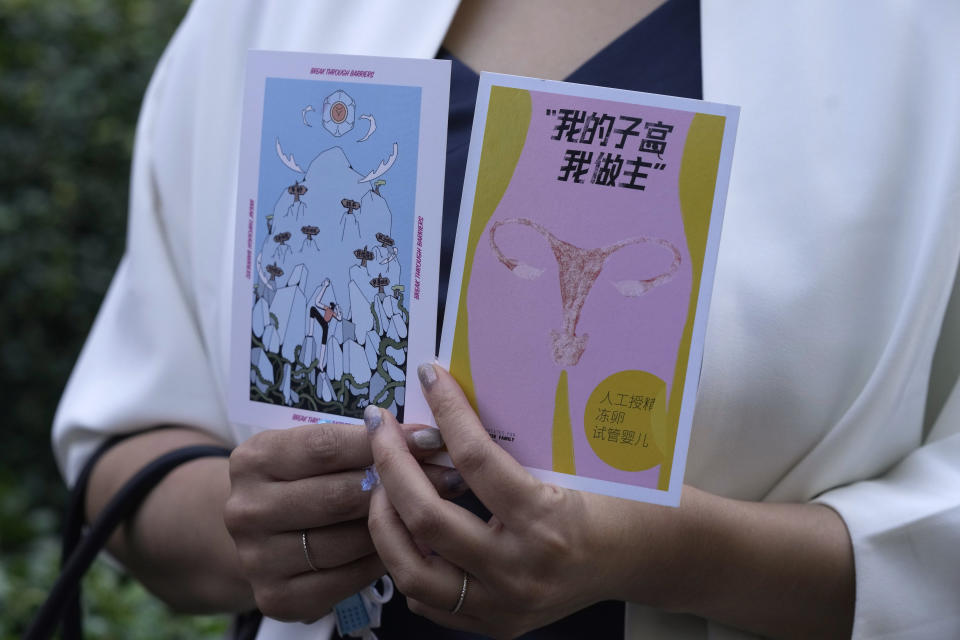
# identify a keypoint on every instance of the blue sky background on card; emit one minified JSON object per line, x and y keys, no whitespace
{"x":396,"y":110}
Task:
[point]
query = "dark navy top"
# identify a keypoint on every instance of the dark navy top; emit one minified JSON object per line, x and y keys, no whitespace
{"x":660,"y":54}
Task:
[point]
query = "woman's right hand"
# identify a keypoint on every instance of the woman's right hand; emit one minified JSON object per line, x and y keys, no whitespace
{"x":309,"y":478}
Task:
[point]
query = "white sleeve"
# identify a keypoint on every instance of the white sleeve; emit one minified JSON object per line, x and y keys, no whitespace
{"x":144,"y":363}
{"x":905,"y":526}
{"x":863,"y":71}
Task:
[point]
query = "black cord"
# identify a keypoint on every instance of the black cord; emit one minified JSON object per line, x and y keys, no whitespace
{"x":64,"y":598}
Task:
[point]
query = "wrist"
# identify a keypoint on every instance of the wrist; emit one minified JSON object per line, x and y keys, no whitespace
{"x":644,"y":553}
{"x":772,"y":569}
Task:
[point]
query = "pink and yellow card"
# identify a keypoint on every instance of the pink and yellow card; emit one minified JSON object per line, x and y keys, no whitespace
{"x":582,"y":275}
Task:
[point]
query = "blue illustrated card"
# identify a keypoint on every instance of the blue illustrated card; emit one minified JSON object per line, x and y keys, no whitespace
{"x":337,"y":236}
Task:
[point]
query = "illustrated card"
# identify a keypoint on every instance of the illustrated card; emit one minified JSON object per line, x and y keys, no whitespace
{"x":582,"y":274}
{"x":337,"y":240}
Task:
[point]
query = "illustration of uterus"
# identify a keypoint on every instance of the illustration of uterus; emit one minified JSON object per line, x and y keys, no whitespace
{"x":578,"y":270}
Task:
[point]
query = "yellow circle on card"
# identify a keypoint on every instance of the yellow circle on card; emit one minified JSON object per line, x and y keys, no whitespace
{"x":625,"y":420}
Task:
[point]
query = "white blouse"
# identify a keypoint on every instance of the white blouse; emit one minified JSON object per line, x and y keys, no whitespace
{"x":839,"y":251}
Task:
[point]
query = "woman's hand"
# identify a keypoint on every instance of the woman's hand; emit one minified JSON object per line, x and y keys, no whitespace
{"x":780,"y":570}
{"x":308,"y":480}
{"x":543,"y":555}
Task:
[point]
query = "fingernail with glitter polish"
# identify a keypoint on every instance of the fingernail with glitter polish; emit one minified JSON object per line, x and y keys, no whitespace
{"x":428,"y":439}
{"x":372,"y":417}
{"x":454,"y":481}
{"x":427,"y":375}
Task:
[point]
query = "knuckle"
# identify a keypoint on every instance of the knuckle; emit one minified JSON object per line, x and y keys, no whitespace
{"x":427,"y":524}
{"x":408,"y":581}
{"x":450,"y":408}
{"x":247,"y":458}
{"x":389,"y":462}
{"x":240,"y":514}
{"x":548,"y":502}
{"x":324,"y":445}
{"x":340,"y":501}
{"x":472,"y":459}
{"x":551,"y":496}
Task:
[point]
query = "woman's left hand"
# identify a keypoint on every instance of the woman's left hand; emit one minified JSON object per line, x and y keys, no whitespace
{"x":546,"y":552}
{"x":781,"y":570}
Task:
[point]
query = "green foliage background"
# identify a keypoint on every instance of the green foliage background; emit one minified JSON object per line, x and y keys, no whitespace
{"x":72,"y":75}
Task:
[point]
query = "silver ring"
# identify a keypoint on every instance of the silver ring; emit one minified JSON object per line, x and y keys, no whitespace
{"x":306,"y":550}
{"x":463,"y":594}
